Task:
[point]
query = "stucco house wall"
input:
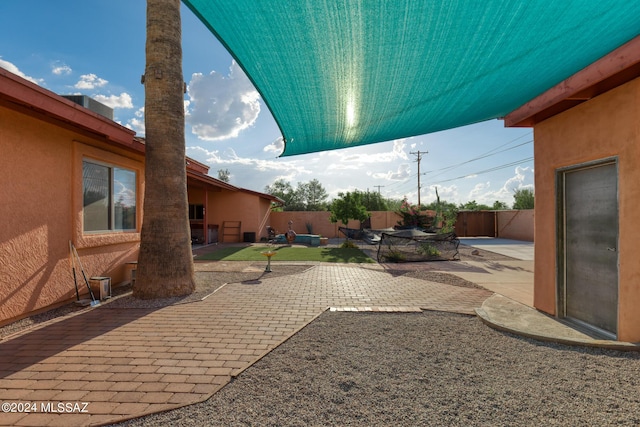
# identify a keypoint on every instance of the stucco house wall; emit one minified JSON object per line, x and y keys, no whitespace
{"x":321,"y":225}
{"x":252,"y":211}
{"x":605,"y":126}
{"x":41,"y":211}
{"x":44,"y":140}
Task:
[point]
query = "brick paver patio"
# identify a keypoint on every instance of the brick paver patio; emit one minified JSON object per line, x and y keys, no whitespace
{"x":125,"y":363}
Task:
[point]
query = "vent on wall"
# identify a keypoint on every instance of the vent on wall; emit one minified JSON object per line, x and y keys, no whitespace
{"x":91,"y":104}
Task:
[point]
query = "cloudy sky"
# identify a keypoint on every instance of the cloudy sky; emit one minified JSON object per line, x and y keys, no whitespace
{"x":96,"y":48}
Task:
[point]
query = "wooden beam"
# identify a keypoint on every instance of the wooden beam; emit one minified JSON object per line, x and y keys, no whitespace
{"x":616,"y":68}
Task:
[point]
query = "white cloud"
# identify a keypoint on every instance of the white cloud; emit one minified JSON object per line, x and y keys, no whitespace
{"x":524,"y":178}
{"x":90,"y":81}
{"x":250,"y":173}
{"x":15,"y":70}
{"x":137,"y":122}
{"x":482,"y":192}
{"x":61,"y":69}
{"x":343,"y":167}
{"x":222,"y":106}
{"x":276,"y":146}
{"x":403,"y":172}
{"x":362,"y":155}
{"x":447,"y":194}
{"x":116,"y":101}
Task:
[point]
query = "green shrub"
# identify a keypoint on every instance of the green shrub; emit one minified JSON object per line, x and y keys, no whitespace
{"x":349,"y":244}
{"x":428,"y":250}
{"x":395,"y":256}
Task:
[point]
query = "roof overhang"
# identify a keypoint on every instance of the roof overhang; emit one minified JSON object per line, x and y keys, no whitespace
{"x":205,"y":181}
{"x":21,"y":95}
{"x":615,"y":69}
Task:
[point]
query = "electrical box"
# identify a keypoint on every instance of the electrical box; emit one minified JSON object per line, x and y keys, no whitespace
{"x":132,"y":266}
{"x":101,"y":287}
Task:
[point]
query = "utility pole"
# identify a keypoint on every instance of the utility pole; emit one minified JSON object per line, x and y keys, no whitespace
{"x":378,"y":186}
{"x":418,"y":159}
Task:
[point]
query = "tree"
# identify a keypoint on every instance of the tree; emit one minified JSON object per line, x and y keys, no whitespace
{"x":283,"y":190}
{"x":524,"y":198}
{"x":280,"y":188}
{"x":374,"y":201}
{"x":165,"y":263}
{"x":499,"y":206}
{"x":474,"y":206}
{"x":313,"y":195}
{"x":348,"y":206}
{"x":224,"y":175}
{"x":309,"y":196}
{"x":392,"y":204}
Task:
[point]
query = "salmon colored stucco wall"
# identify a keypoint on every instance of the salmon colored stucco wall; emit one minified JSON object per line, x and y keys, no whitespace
{"x":41,"y":211}
{"x":252,"y":211}
{"x":516,"y":224}
{"x":321,"y":225}
{"x":606,"y":126}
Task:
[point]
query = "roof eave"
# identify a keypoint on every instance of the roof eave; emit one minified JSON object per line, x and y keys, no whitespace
{"x":615,"y":69}
{"x":23,"y":95}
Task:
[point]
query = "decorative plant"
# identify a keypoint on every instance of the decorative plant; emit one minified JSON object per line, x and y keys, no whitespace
{"x":428,"y":250}
{"x":348,"y":244}
{"x":411,"y":216}
{"x":446,"y":215}
{"x":395,"y":256}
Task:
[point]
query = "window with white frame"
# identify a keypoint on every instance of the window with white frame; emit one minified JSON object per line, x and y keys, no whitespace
{"x":109,"y":197}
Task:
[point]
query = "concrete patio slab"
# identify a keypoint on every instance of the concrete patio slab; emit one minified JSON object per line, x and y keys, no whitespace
{"x":517,"y":249}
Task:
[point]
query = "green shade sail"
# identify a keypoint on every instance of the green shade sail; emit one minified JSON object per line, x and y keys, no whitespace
{"x":343,"y":73}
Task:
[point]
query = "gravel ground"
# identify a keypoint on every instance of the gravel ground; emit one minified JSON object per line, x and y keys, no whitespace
{"x":406,"y":369}
{"x":431,"y":369}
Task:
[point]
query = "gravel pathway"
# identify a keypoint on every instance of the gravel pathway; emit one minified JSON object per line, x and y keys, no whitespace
{"x":430,"y":369}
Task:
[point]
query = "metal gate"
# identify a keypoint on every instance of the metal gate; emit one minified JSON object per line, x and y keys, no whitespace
{"x":589,"y":233}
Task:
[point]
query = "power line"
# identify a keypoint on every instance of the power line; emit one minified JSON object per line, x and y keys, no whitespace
{"x":378,"y":186}
{"x":401,"y":186}
{"x":515,"y":163}
{"x":482,"y":156}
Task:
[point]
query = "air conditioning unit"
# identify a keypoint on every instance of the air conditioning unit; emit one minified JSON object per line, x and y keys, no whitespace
{"x":91,"y":104}
{"x":101,"y":287}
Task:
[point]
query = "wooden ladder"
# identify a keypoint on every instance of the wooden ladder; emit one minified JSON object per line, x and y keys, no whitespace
{"x":231,"y":231}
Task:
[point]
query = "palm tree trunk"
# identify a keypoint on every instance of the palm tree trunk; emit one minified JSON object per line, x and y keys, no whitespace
{"x":165,"y":263}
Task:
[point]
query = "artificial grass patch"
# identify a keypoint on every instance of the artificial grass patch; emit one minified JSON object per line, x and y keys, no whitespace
{"x":287,"y":253}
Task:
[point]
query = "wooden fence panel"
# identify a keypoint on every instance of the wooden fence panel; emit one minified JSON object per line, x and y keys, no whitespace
{"x":476,"y":224}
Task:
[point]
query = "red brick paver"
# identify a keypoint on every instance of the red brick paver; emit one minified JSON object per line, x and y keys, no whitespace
{"x":130,"y":362}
